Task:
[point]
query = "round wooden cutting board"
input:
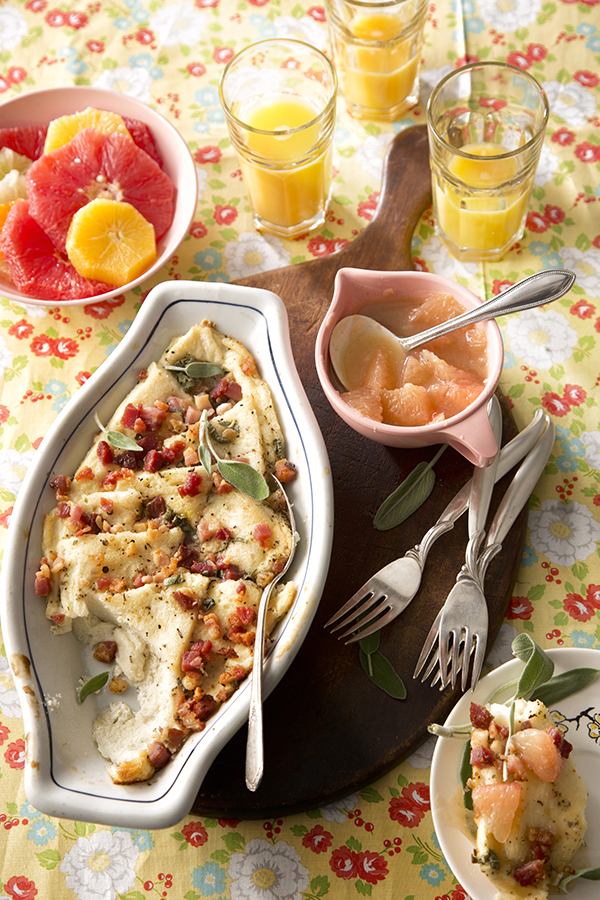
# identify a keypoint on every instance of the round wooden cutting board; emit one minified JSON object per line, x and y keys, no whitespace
{"x":328,"y":729}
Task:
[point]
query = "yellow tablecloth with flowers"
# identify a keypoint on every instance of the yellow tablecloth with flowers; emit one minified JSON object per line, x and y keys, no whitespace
{"x":379,"y":842}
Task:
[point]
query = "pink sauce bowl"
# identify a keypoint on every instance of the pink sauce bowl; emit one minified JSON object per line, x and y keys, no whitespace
{"x":469,"y":431}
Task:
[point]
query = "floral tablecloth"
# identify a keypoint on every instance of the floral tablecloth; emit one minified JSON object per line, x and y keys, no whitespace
{"x":379,"y":842}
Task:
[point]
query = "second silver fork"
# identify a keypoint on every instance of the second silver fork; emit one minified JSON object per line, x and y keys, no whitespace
{"x":387,"y":593}
{"x":514,"y":499}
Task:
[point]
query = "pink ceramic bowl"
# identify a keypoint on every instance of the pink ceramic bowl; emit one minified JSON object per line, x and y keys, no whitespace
{"x":469,"y":432}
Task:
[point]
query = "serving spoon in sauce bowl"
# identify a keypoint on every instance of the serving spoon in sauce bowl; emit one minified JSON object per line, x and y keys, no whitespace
{"x":356,"y":335}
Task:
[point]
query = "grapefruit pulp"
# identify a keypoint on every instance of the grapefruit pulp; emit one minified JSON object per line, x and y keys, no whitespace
{"x":96,"y":165}
{"x":36,"y":267}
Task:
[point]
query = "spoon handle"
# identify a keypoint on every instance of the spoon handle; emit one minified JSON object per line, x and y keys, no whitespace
{"x":536,"y":290}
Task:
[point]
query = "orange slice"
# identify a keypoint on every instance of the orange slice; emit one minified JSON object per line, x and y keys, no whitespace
{"x":61,"y":130}
{"x":110,"y":241}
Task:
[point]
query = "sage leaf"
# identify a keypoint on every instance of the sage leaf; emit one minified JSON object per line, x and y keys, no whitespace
{"x":243,"y":477}
{"x":560,"y":686}
{"x":370,"y":643}
{"x":466,"y":771}
{"x":382,"y":673}
{"x":538,"y":665}
{"x":408,"y":496}
{"x":121,"y":441}
{"x":116,"y":439}
{"x":92,"y":686}
{"x":592,"y":874}
{"x":198,"y":369}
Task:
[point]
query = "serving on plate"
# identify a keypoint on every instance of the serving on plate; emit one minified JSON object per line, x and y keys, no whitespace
{"x":171,"y":158}
{"x":65,"y":775}
{"x":577,"y":715}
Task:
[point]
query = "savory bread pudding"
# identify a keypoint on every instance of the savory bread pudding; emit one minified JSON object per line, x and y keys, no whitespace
{"x":528,"y":799}
{"x":157,"y":564}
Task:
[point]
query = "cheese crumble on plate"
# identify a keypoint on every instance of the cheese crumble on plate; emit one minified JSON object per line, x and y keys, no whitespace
{"x":157,"y":565}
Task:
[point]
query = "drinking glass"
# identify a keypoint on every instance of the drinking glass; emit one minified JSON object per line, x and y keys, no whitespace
{"x":377,"y":50}
{"x":486,"y":123}
{"x":279,"y":98}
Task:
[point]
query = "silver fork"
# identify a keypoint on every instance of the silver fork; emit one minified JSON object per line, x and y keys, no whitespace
{"x":387,"y":593}
{"x":514,"y":499}
{"x":254,"y":744}
{"x":464,"y":620}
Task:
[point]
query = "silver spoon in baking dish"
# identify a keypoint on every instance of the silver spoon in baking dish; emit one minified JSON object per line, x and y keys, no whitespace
{"x":254,"y":745}
{"x":353,"y":336}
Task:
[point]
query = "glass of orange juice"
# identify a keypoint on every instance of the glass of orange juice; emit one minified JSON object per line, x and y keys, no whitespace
{"x":279,"y":98}
{"x":486,"y":123}
{"x":377,"y":50}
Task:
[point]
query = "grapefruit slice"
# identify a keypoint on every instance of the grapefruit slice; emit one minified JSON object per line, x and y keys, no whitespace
{"x":496,"y":804}
{"x":35,"y":266}
{"x":95,"y":165}
{"x":63,"y":129}
{"x":110,"y":241}
{"x":27,"y":140}
{"x":143,"y":137}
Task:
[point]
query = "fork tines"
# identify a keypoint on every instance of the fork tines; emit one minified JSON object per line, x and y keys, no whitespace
{"x":362,"y":615}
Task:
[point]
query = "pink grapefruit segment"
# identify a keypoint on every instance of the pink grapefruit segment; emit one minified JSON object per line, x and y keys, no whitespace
{"x":28,"y":140}
{"x":95,"y":165}
{"x":497,"y":805}
{"x":35,"y":266}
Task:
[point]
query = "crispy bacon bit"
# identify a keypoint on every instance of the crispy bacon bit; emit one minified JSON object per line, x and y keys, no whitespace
{"x":158,"y":754}
{"x":263,"y":534}
{"x":529,"y":873}
{"x":150,"y":416}
{"x":220,"y":486}
{"x":213,"y":627}
{"x":285,"y":471}
{"x":118,"y":685}
{"x":85,"y":474}
{"x":154,"y":461}
{"x":107,"y":505}
{"x":194,"y":658}
{"x":245,"y":614}
{"x":114,"y":585}
{"x":237,"y":635}
{"x":61,"y":484}
{"x":58,"y":618}
{"x":192,"y":485}
{"x":482,"y":757}
{"x":248,"y":365}
{"x":156,"y":508}
{"x":541,"y":840}
{"x":43,"y":585}
{"x":230,"y":572}
{"x":63,"y":509}
{"x":563,"y":745}
{"x":193,"y":712}
{"x":104,"y":453}
{"x":174,"y":739}
{"x":111,"y":479}
{"x":105,"y":651}
{"x":186,"y":598}
{"x":480,"y":716}
{"x":498,"y":731}
{"x":225,"y":389}
{"x":236,"y":673}
{"x":128,"y":459}
{"x":142,"y":375}
{"x":204,"y":567}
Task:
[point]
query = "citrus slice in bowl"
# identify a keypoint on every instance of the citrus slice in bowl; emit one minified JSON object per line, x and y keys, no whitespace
{"x":28,"y":140}
{"x":110,"y":241}
{"x":96,"y":165}
{"x":63,"y":129}
{"x":35,"y":266}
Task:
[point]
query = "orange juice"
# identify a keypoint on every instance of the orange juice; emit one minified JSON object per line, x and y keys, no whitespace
{"x":287,"y":174}
{"x":485,"y":208}
{"x":383,"y":76}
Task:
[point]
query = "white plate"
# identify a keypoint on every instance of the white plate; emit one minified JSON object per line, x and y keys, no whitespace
{"x":449,"y":818}
{"x":65,"y":775}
